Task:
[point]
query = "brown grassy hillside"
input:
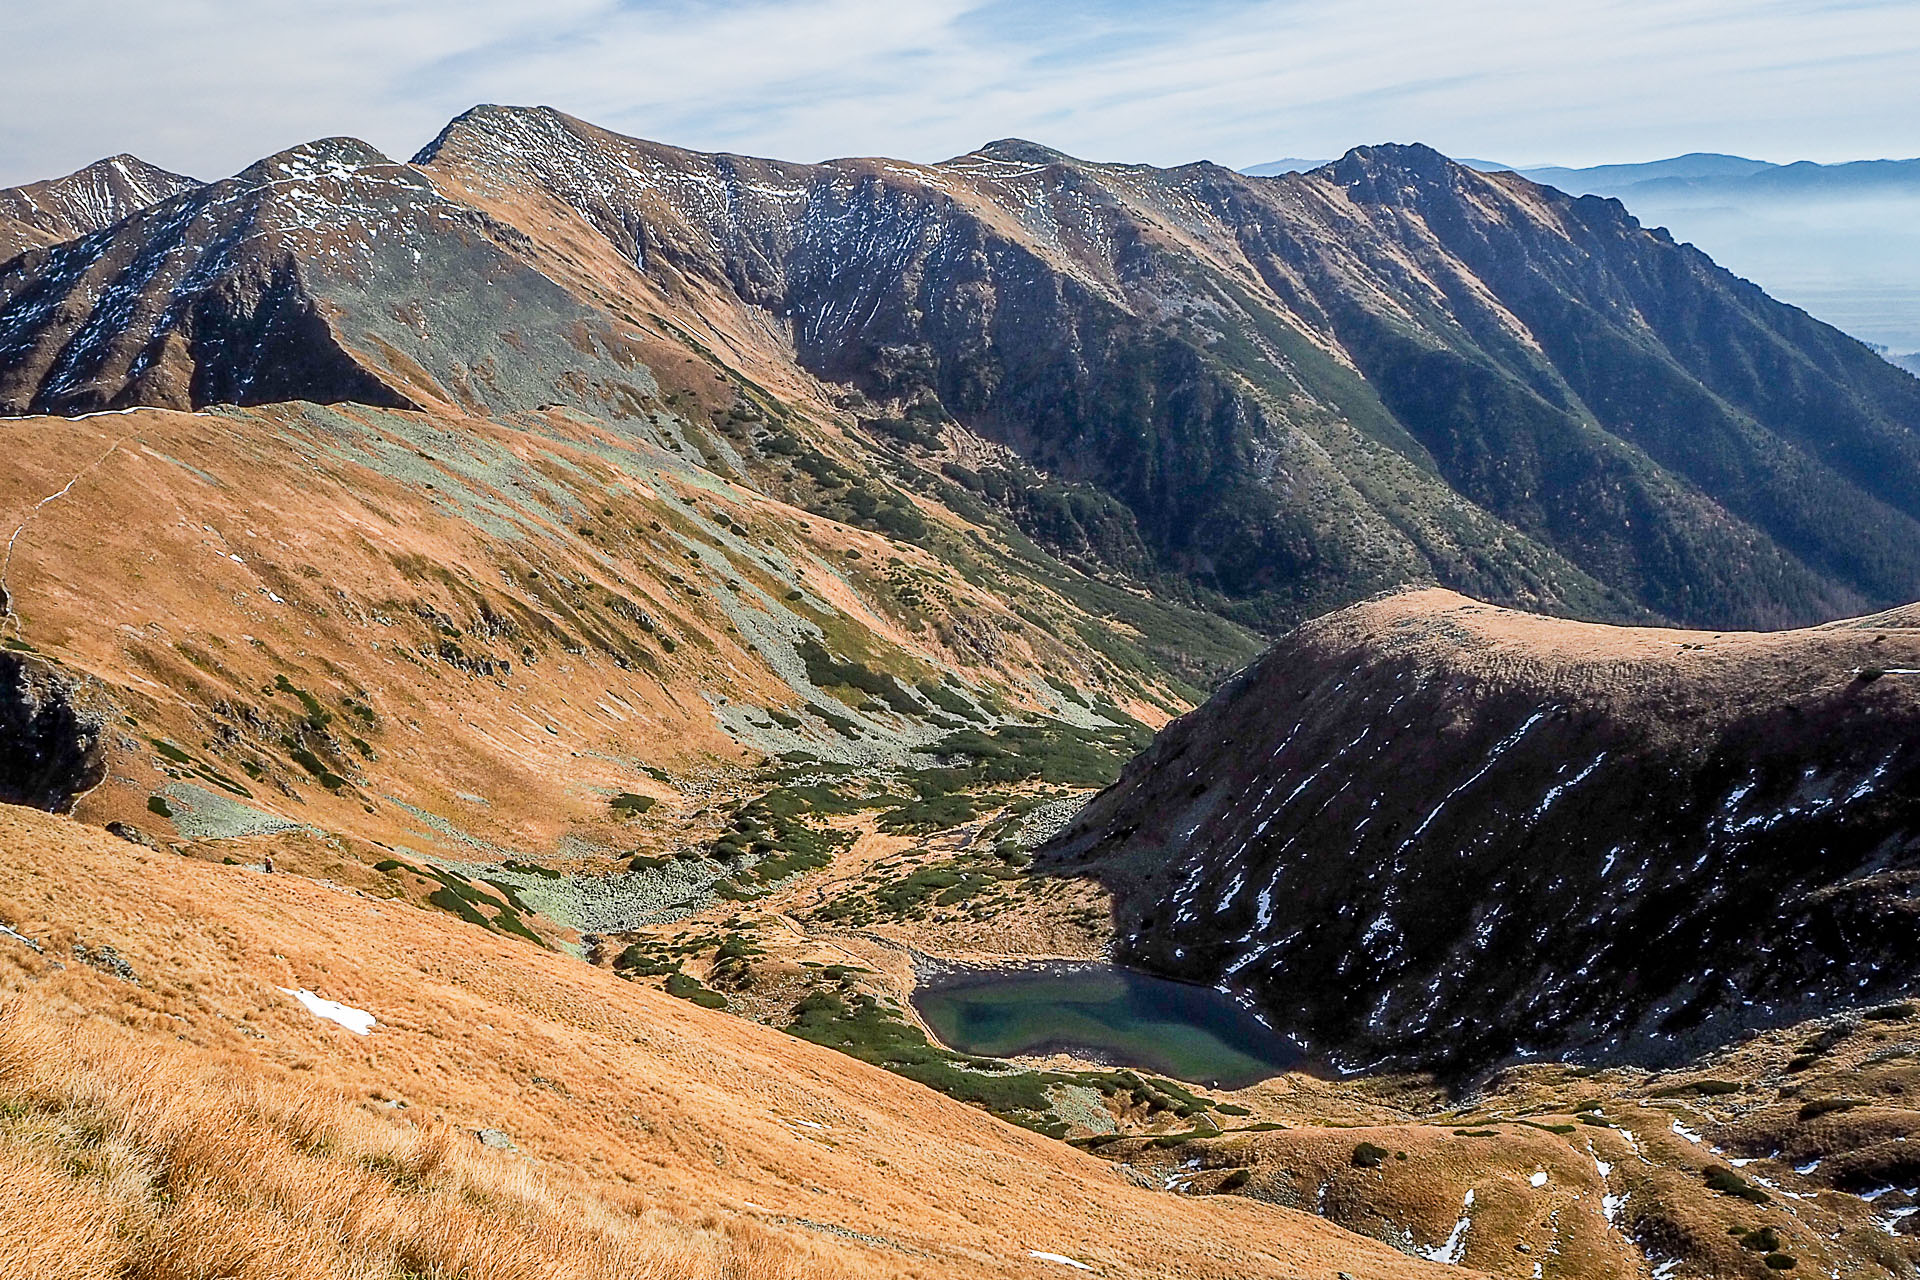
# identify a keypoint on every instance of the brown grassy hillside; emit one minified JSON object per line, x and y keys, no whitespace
{"x":464,"y":638}
{"x":166,"y":1110}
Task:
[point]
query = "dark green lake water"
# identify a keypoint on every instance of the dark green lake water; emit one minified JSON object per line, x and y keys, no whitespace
{"x":1108,"y":1014}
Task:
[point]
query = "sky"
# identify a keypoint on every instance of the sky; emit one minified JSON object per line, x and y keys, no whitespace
{"x":207,"y":86}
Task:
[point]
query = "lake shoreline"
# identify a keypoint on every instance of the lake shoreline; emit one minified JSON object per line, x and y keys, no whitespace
{"x":1103,"y":1013}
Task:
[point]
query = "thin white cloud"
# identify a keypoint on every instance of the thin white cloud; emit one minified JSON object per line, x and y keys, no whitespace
{"x":208,"y":85}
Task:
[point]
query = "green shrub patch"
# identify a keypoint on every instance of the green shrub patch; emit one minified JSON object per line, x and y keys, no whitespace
{"x":687,"y":987}
{"x":827,"y":672}
{"x":1728,"y":1183}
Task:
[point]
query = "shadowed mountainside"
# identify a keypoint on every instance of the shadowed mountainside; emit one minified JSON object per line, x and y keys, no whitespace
{"x":1428,"y":832}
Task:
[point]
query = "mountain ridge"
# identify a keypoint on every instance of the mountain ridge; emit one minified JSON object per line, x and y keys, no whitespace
{"x":1284,"y":393}
{"x":1833,"y":238}
{"x":1111,"y":188}
{"x":1449,"y":898}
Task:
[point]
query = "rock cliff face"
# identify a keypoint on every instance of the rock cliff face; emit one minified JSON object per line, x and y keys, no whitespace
{"x":1269,"y":395}
{"x":1427,"y":832}
{"x":53,"y":733}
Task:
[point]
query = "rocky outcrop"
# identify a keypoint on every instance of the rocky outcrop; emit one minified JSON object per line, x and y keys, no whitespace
{"x":53,"y":735}
{"x":1425,"y":832}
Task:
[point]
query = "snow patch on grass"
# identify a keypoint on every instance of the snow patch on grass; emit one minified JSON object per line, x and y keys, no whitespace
{"x":358,"y":1021}
{"x":1060,"y":1258}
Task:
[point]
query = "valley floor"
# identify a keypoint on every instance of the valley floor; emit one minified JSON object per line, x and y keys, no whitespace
{"x":1789,"y":1149}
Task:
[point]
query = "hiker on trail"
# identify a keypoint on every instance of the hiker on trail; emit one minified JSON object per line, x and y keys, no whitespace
{"x":267,"y":864}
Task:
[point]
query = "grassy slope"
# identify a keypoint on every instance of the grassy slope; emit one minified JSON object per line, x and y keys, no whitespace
{"x":200,"y":1121}
{"x":332,"y":611}
{"x":1775,"y":1144}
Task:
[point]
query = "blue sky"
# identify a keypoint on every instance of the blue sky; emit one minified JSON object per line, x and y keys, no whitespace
{"x":205,"y":86}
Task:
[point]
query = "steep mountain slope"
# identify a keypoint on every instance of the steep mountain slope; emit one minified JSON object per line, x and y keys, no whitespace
{"x":1837,"y":239}
{"x":1266,"y":395}
{"x":1427,"y":832}
{"x":466,"y":637}
{"x":43,"y":213}
{"x":323,"y":273}
{"x":979,"y":289}
{"x":172,"y":1106}
{"x":1187,"y":340}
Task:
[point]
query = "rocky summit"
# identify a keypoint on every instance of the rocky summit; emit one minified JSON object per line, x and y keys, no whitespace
{"x":91,"y":199}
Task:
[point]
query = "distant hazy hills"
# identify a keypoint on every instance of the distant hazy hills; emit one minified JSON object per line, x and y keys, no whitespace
{"x":1292,"y":164}
{"x":1725,"y":175}
{"x":1612,"y":179}
{"x":1840,"y":240}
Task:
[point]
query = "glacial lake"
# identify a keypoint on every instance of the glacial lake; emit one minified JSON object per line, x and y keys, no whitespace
{"x":1107,"y":1014}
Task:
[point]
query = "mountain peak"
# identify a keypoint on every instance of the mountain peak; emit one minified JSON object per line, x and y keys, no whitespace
{"x":83,"y":201}
{"x":1415,"y":157}
{"x":1015,"y":151}
{"x":485,"y":117}
{"x":134,"y":169}
{"x":1396,"y":173}
{"x":311,"y":159}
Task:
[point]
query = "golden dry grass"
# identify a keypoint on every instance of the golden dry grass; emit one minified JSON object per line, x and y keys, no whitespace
{"x":1645,"y":672}
{"x":198,"y":558}
{"x":117,"y":1160}
{"x":201,"y":1123}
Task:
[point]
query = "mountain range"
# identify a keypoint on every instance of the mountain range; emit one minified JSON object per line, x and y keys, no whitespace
{"x":517,"y":665}
{"x":1723,"y":175}
{"x":1836,"y":239}
{"x":1262,"y":397}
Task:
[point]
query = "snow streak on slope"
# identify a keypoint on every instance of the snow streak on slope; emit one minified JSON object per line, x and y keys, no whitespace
{"x":1483,"y":834}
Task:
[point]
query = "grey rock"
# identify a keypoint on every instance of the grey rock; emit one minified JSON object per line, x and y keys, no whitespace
{"x":106,"y":960}
{"x":53,"y":733}
{"x":23,"y":939}
{"x":131,"y":834}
